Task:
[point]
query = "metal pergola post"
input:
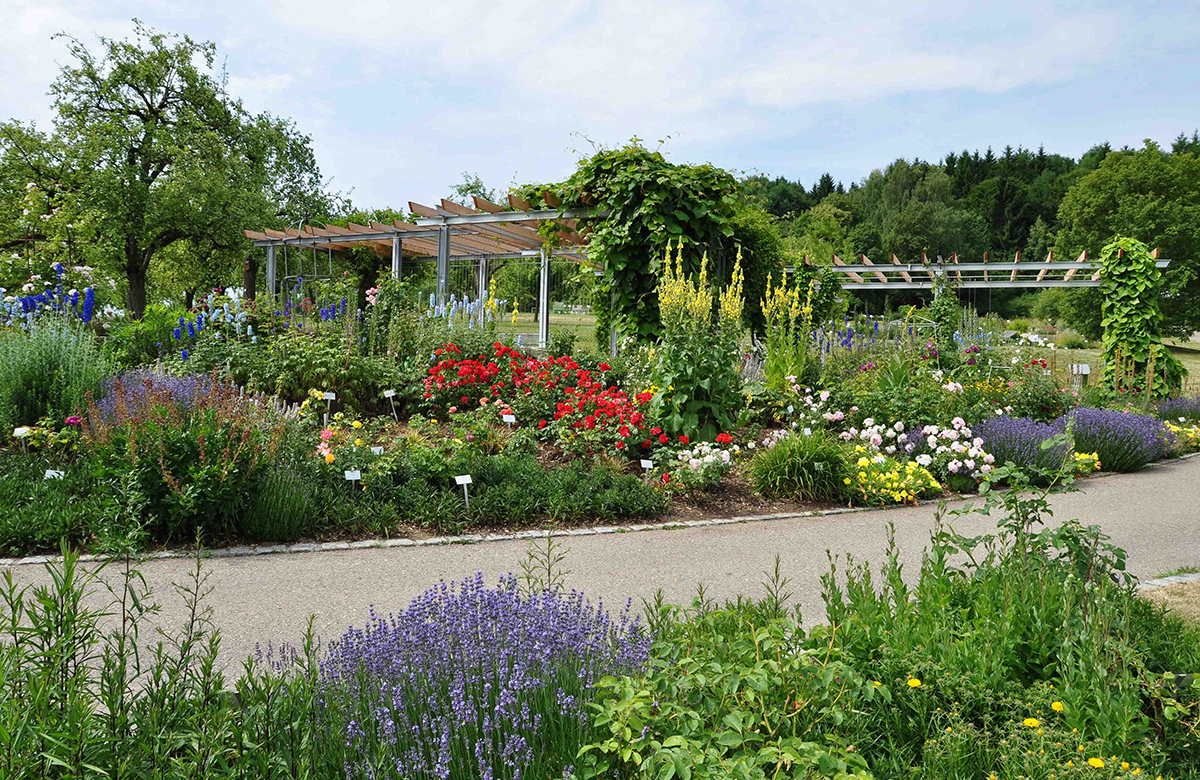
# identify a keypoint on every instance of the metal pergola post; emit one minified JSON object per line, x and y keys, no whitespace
{"x":271,"y":271}
{"x":483,"y":289}
{"x":443,"y":264}
{"x":544,"y":301}
{"x":397,"y":257}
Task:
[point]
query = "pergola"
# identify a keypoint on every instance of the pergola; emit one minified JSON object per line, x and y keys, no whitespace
{"x":444,"y":233}
{"x":895,"y":275}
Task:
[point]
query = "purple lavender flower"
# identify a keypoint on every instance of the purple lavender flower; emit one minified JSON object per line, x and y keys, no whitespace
{"x":136,"y":387}
{"x":1019,"y":440}
{"x":1174,"y":408}
{"x":472,"y":681}
{"x":1123,"y":440}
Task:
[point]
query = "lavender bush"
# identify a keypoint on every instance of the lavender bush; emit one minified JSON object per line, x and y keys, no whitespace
{"x":1019,"y":439}
{"x":1124,"y":441}
{"x":133,"y":388}
{"x":1174,"y":408}
{"x":475,"y":682}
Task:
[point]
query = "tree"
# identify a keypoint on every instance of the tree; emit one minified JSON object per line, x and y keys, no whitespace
{"x":166,"y":155}
{"x":1154,"y":197}
{"x":470,"y":186}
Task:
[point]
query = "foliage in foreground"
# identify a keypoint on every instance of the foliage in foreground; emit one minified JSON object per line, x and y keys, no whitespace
{"x":1034,"y":658}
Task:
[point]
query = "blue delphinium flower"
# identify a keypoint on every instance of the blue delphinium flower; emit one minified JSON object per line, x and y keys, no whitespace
{"x":191,"y":329}
{"x":177,"y":333}
{"x":185,"y":353}
{"x":89,"y":304}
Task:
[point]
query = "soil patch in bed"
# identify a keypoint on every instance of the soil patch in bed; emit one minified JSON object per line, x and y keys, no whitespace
{"x":1183,"y":599}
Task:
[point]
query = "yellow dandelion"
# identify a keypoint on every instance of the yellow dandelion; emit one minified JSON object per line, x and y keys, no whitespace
{"x":1096,"y":762}
{"x":1032,"y":723}
{"x":913,"y":682}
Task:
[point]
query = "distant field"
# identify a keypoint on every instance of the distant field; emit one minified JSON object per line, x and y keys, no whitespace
{"x":1187,"y":352}
{"x":584,"y":326}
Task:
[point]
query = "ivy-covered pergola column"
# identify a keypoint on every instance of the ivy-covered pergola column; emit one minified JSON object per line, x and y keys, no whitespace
{"x":1135,"y":360}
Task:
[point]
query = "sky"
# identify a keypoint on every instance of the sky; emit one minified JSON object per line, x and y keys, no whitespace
{"x":401,"y":98}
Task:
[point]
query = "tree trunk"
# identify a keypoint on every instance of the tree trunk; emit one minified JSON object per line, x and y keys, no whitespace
{"x":250,"y":277}
{"x":136,"y":298}
{"x":189,"y":299}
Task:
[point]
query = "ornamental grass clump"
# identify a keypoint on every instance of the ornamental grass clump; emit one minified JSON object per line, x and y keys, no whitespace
{"x":1124,"y":441}
{"x":810,"y":466}
{"x":475,"y":682}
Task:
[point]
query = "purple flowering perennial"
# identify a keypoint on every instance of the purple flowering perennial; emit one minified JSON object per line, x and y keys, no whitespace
{"x":137,"y":385}
{"x":1174,"y":408}
{"x":1123,"y":440}
{"x":472,"y":681}
{"x":1019,"y":439}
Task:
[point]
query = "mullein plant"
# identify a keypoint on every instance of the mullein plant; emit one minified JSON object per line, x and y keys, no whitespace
{"x":697,"y":371}
{"x":787,"y":326}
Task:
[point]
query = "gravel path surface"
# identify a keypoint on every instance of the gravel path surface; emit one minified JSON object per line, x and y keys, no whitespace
{"x":1154,"y":515}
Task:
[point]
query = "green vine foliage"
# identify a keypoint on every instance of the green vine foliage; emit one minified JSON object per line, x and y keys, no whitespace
{"x":1135,"y":360}
{"x":650,"y":202}
{"x":946,"y":312}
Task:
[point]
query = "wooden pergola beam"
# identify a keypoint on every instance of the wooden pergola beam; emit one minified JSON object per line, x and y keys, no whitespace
{"x":1013,"y":276}
{"x":903,"y":274}
{"x":1049,"y":259}
{"x":1069,"y":275}
{"x":838,"y":261}
{"x":878,"y":275}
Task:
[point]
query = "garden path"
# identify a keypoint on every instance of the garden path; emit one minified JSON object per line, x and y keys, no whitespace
{"x":1154,"y":515}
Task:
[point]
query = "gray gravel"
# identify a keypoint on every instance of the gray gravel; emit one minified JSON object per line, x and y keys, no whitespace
{"x":1154,"y":515}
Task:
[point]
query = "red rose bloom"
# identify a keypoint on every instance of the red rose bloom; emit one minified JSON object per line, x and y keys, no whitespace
{"x":663,"y":439}
{"x":655,"y":431}
{"x":724,"y":438}
{"x":666,"y":477}
{"x":684,"y":440}
{"x":620,"y":445}
{"x":541,"y":425}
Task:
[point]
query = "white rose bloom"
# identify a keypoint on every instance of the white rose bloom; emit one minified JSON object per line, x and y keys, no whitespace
{"x":924,"y":460}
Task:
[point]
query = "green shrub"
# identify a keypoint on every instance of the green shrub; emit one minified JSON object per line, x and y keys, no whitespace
{"x":562,"y":342}
{"x":808,"y":467}
{"x":282,"y":508}
{"x":132,"y":343}
{"x":48,"y":371}
{"x":36,"y":513}
{"x":193,"y":464}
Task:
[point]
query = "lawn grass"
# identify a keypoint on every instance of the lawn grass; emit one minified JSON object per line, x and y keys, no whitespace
{"x":1182,"y":599}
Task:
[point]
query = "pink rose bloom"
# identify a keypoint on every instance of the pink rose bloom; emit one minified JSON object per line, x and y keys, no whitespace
{"x":954,"y":466}
{"x":970,"y":464}
{"x":985,"y":469}
{"x":958,"y":422}
{"x":838,"y":415}
{"x":327,"y":434}
{"x":989,"y":458}
{"x":876,"y":440}
{"x":824,"y":395}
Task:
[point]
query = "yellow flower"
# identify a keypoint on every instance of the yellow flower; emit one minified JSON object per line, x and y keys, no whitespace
{"x":356,"y":424}
{"x":846,"y":480}
{"x":358,"y":442}
{"x":913,"y":682}
{"x":329,"y":458}
{"x":1070,"y":763}
{"x":863,"y":463}
{"x":1098,"y":763}
{"x":1124,"y":764}
{"x":1057,"y":706}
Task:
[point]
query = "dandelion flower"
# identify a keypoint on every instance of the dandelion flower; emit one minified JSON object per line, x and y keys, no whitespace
{"x":1032,"y":723}
{"x":1096,"y":762}
{"x":913,"y":682}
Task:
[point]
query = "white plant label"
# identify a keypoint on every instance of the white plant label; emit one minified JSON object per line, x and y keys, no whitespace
{"x":463,"y":479}
{"x":509,"y":418}
{"x":377,"y":450}
{"x":353,"y":476}
{"x":329,"y":395}
{"x":647,"y":464}
{"x":791,"y":409}
{"x":389,"y":393}
{"x":54,"y":474}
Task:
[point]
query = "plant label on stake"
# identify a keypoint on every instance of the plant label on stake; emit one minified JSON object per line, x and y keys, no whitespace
{"x":511,"y":419}
{"x":21,"y":433}
{"x":647,"y":465}
{"x":464,"y":480}
{"x":329,"y":397}
{"x":53,"y":474}
{"x":377,"y":450}
{"x":391,"y":396}
{"x":353,"y":476}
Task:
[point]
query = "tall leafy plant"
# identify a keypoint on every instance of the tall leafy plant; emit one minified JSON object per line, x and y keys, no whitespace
{"x":698,"y":364}
{"x":649,"y":203}
{"x":788,"y":319}
{"x":1135,"y":360}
